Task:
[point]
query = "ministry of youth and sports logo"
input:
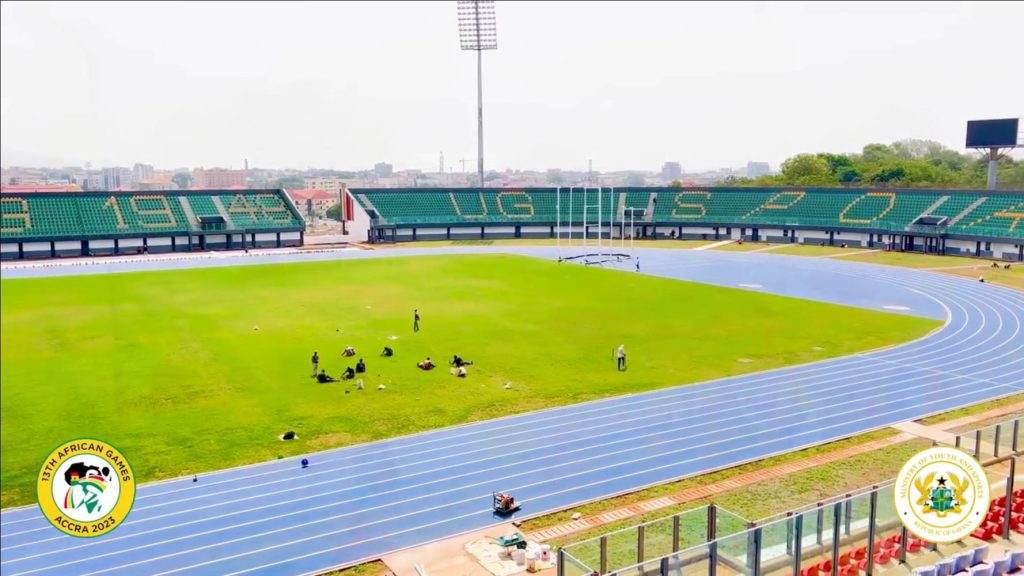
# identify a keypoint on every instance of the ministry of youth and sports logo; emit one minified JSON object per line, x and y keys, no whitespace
{"x":85,"y":488}
{"x":942,"y":495}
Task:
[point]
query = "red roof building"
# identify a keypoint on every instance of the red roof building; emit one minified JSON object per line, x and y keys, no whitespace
{"x":38,"y":188}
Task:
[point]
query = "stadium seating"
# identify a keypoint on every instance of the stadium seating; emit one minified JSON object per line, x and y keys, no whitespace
{"x":970,"y":562}
{"x":968,"y":213}
{"x":74,"y":215}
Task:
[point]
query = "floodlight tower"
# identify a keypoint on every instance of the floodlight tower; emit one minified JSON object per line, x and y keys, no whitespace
{"x":478,"y":31}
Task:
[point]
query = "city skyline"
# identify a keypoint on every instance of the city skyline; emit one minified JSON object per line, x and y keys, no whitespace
{"x":347,"y":85}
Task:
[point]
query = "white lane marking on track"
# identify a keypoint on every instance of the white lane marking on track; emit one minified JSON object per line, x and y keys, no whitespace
{"x":886,"y":279}
{"x":972,"y":356}
{"x":858,"y":392}
{"x":901,"y":391}
{"x":347,"y":529}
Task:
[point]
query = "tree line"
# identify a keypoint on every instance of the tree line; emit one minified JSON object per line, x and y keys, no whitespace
{"x":905,"y":164}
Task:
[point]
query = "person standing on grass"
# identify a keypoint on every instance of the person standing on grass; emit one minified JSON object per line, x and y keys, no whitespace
{"x":637,"y":263}
{"x":316,"y":362}
{"x":621,"y":355}
{"x":416,"y":320}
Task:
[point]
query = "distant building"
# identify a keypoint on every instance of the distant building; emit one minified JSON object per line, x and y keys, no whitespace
{"x":382,"y":169}
{"x":313,"y":203}
{"x":163,"y":177}
{"x":154,"y":185}
{"x":671,"y":170}
{"x":217,"y":178}
{"x":332,"y":184}
{"x":86,"y":179}
{"x":755,"y":169}
{"x":142,"y":172}
{"x":118,"y":178}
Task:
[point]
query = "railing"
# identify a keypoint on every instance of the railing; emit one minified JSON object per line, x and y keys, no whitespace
{"x":993,"y":442}
{"x":713,"y":541}
{"x":655,"y":539}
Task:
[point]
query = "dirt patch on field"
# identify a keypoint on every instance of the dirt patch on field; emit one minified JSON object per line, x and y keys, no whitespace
{"x":333,"y":439}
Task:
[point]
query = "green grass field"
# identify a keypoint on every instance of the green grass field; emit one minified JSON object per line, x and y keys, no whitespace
{"x":167,"y":366}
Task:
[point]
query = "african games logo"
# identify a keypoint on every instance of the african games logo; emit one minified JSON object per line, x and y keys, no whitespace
{"x":85,"y":488}
{"x":942,"y":494}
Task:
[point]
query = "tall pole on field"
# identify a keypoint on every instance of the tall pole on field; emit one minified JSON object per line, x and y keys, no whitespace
{"x":478,"y":32}
{"x":558,"y":221}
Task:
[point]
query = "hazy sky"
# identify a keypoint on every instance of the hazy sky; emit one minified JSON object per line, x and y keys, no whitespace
{"x":627,"y":84}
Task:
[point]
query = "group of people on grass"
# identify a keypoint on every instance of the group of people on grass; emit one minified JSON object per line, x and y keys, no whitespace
{"x":457,"y":364}
{"x":323,"y":377}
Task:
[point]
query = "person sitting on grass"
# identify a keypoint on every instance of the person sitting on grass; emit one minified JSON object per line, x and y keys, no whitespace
{"x":323,"y":377}
{"x":462,"y":372}
{"x":426,"y":364}
{"x":348,"y":374}
{"x":360,"y":366}
{"x":349,"y":351}
{"x":388,"y":352}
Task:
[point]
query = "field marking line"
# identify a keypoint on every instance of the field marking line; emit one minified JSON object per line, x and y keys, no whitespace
{"x":840,"y":385}
{"x":785,"y":415}
{"x":844,"y":254}
{"x":332,"y":533}
{"x":985,"y":380}
{"x":965,"y":311}
{"x":448,"y":478}
{"x":770,"y":248}
{"x":712,"y":246}
{"x":962,"y":267}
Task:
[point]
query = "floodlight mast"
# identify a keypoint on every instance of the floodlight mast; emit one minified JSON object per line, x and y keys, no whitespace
{"x":478,"y":32}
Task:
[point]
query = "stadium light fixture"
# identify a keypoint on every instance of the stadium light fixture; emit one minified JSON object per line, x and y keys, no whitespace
{"x":478,"y":31}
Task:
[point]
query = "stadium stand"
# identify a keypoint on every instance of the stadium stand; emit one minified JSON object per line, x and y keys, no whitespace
{"x":90,"y":223}
{"x":967,"y":222}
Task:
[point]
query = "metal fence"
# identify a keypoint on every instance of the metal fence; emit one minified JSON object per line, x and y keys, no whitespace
{"x":611,"y":552}
{"x":992,"y":442}
{"x":711,"y":540}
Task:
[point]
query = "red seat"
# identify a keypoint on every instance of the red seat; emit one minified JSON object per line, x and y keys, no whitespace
{"x":826,"y":566}
{"x":849,"y":570}
{"x":862,"y":564}
{"x":885,"y":544}
{"x":844,"y":559}
{"x":982,"y":533}
{"x":860,"y":554}
{"x":882,"y":558}
{"x":809,"y":571}
{"x":914,"y":545}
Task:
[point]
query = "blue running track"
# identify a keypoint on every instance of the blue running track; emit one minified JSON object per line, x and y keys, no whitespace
{"x":361,"y":502}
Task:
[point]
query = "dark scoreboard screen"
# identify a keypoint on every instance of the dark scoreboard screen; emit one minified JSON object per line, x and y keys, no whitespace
{"x":992,"y":133}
